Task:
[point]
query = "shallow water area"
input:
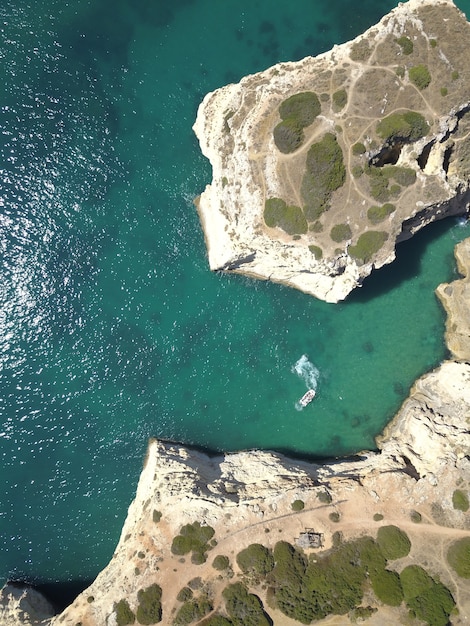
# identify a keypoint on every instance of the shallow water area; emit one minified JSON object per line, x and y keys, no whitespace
{"x":112,"y":328}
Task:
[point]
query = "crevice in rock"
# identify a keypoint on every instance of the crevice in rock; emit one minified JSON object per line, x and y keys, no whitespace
{"x":235,"y":265}
{"x":388,"y":155}
{"x":447,"y":157}
{"x":424,"y":156}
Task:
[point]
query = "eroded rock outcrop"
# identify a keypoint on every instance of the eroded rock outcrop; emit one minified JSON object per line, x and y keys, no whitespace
{"x":322,"y":165}
{"x":21,"y":604}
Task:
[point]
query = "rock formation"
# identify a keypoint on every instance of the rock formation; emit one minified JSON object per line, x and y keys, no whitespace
{"x":321,"y":166}
{"x":21,"y":604}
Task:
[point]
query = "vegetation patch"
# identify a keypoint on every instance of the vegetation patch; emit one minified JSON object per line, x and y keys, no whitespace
{"x":221,"y":562}
{"x":243,"y":608}
{"x":368,"y":244}
{"x":290,"y":218}
{"x":340,"y":99}
{"x":420,"y":76}
{"x":149,"y":610}
{"x":296,"y":112}
{"x":324,"y":497}
{"x":216,"y":620}
{"x":192,"y":611}
{"x":393,"y":542}
{"x":124,"y":614}
{"x":316,"y":251}
{"x":325,"y":172}
{"x":340,"y":232}
{"x":377,"y":214}
{"x":156,"y":516}
{"x":458,"y":556}
{"x":193,"y":538}
{"x":460,"y":500}
{"x":387,"y":587}
{"x":255,"y":559}
{"x":298,"y":505}
{"x":184,"y":594}
{"x":360,"y":51}
{"x":381,"y":177}
{"x":406,"y":126}
{"x":405,"y":44}
{"x":358,"y":149}
{"x":427,"y":599}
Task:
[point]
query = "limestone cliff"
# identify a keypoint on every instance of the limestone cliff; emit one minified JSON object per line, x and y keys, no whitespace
{"x":321,"y":166}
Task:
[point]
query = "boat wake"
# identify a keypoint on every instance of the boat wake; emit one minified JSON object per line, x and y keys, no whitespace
{"x":308,"y":373}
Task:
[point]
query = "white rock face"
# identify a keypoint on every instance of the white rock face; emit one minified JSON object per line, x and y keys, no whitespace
{"x":235,"y":125}
{"x":21,"y":604}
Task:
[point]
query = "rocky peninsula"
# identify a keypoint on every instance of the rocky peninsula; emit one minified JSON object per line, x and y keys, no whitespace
{"x":186,"y":555}
{"x":321,"y":166}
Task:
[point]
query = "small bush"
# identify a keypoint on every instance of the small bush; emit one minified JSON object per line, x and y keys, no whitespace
{"x":290,"y":218}
{"x":221,"y":562}
{"x":124,"y":614}
{"x":316,"y":251}
{"x":358,"y":149}
{"x":149,"y":610}
{"x":433,"y":43}
{"x":444,"y":91}
{"x":405,"y":44}
{"x":378,"y":517}
{"x":193,"y":538}
{"x":156,"y":516}
{"x":377,"y":214}
{"x":340,"y":232}
{"x":406,"y":126}
{"x":298,"y":505}
{"x":334,"y":516}
{"x":288,"y":136}
{"x":415,"y":517}
{"x":419,"y":76}
{"x":460,"y":500}
{"x":454,"y":75}
{"x":192,"y":611}
{"x":368,"y":244}
{"x":255,"y":559}
{"x":400,"y":71}
{"x":393,"y":542}
{"x":357,"y":171}
{"x":458,"y":556}
{"x":324,"y":497}
{"x":340,"y":99}
{"x":387,"y":587}
{"x":316,"y":227}
{"x":184,"y":594}
{"x":302,"y":107}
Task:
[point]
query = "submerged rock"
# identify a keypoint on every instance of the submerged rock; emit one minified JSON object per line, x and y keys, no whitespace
{"x":321,"y":166}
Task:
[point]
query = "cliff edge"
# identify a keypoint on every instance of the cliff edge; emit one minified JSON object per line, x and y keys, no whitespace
{"x":321,"y":166}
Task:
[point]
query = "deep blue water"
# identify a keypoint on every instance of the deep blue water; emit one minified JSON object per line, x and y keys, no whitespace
{"x":112,"y":328}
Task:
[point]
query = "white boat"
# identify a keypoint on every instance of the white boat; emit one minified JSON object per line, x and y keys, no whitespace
{"x":307,"y":397}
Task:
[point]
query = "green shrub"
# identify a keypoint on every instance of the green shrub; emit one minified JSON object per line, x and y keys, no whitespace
{"x":377,"y":214}
{"x":458,"y":556}
{"x":156,"y":516}
{"x":406,"y":126}
{"x":290,"y":218}
{"x":362,"y":613}
{"x":405,"y":176}
{"x":415,"y":517}
{"x":378,"y":517}
{"x":360,"y":51}
{"x":221,"y":562}
{"x":255,"y":559}
{"x":433,"y":43}
{"x":358,"y":149}
{"x":340,"y":99}
{"x":426,"y":598}
{"x":184,"y":594}
{"x":289,"y":567}
{"x":394,"y":543}
{"x":405,"y":44}
{"x":244,"y":609}
{"x":316,"y":251}
{"x":298,"y":505}
{"x":192,"y":611}
{"x":340,"y":232}
{"x":444,"y":91}
{"x":357,"y":171}
{"x":454,"y":75}
{"x":368,"y":244}
{"x":316,"y":227}
{"x":193,"y":538}
{"x":387,"y":587}
{"x":216,"y":620}
{"x":149,"y":610}
{"x":124,"y":614}
{"x":301,"y":107}
{"x":334,"y":516}
{"x":460,"y":500}
{"x":288,"y":136}
{"x":324,"y":497}
{"x":419,"y":76}
{"x":325,"y":172}
{"x":400,"y":71}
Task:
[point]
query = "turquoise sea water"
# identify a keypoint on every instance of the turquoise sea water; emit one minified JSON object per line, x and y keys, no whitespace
{"x":112,"y":328}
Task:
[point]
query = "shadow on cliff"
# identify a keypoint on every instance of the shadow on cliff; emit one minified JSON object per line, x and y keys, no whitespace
{"x":62,"y":594}
{"x":407,"y":265}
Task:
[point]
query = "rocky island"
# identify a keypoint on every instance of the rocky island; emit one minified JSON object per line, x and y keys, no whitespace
{"x":254,"y":537}
{"x":321,"y":166}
